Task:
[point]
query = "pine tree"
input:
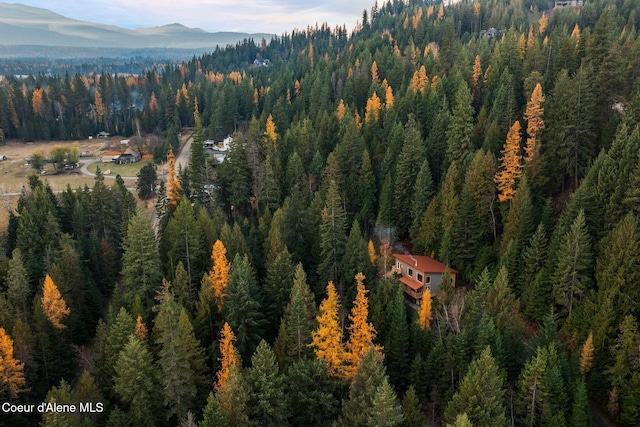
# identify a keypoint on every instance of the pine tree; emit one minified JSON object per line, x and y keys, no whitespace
{"x":572,"y":275}
{"x":277,"y":289}
{"x":425,"y":315}
{"x":135,"y":382}
{"x":54,"y":306}
{"x":413,"y":417}
{"x":369,"y":376}
{"x":462,"y":420}
{"x":535,"y":124}
{"x":327,"y":338}
{"x":219,"y":273}
{"x":386,"y":410}
{"x":510,"y":164}
{"x":229,"y":406}
{"x":396,"y":346}
{"x":422,"y":194}
{"x":268,"y":403}
{"x":460,"y":128}
{"x":624,"y":374}
{"x":198,"y":159}
{"x":140,"y":266}
{"x":183,"y":241}
{"x":298,"y":320}
{"x":18,"y":283}
{"x":333,"y":235}
{"x":580,"y":410}
{"x":241,"y":308}
{"x":110,"y":342}
{"x":12,"y":381}
{"x":355,"y":260}
{"x":361,"y":332}
{"x":481,"y":394}
{"x":61,"y":395}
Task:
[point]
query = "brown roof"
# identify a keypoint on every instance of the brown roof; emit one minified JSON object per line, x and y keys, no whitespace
{"x":423,"y":263}
{"x":412,"y":283}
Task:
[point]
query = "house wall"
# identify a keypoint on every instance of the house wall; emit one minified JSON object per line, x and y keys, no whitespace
{"x":436,"y":278}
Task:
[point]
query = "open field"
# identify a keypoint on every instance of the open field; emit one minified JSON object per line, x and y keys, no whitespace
{"x":125,"y":171}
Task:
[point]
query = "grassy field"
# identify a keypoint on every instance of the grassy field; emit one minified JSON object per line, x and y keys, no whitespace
{"x":113,"y":169}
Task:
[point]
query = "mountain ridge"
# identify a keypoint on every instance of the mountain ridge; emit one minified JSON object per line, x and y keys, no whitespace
{"x":27,"y":25}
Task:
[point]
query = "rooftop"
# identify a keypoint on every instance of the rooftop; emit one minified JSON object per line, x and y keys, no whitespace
{"x":424,"y":263}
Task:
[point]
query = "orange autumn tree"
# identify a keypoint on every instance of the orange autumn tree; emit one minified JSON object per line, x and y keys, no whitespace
{"x":11,"y":369}
{"x":361,"y":332}
{"x":372,"y":109}
{"x":228,"y":355}
{"x":54,"y":306}
{"x":340,"y":110}
{"x":326,"y":340}
{"x":141,"y":329}
{"x":425,"y":315}
{"x":510,"y":164}
{"x":173,"y":184}
{"x":586,"y":356}
{"x":270,"y":131}
{"x":388,"y":98}
{"x":219,"y":274}
{"x":535,"y":124}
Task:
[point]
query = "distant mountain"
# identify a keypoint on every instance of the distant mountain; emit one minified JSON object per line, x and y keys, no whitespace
{"x":27,"y":25}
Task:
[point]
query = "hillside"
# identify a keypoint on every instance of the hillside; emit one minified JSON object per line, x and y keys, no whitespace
{"x":26,"y":25}
{"x":493,"y":148}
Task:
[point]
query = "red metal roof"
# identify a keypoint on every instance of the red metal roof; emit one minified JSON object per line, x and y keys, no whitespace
{"x":423,"y":263}
{"x":412,"y":283}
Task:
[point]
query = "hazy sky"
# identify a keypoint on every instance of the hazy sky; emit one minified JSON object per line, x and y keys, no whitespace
{"x":252,"y":16}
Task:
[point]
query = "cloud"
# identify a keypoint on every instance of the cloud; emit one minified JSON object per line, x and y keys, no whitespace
{"x":275,"y":16}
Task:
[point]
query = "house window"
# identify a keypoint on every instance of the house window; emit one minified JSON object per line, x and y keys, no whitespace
{"x":428,"y":288}
{"x":419,"y":277}
{"x":411,"y":272}
{"x":427,"y":281}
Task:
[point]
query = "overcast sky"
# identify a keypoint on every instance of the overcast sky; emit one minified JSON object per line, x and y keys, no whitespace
{"x":251,"y":16}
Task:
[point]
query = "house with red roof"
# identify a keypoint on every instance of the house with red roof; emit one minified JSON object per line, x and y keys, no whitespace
{"x":418,"y":272}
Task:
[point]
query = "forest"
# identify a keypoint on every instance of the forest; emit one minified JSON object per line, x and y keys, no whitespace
{"x":500,"y":138}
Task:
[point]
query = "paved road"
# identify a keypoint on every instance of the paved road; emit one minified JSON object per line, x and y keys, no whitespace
{"x":85,"y":171}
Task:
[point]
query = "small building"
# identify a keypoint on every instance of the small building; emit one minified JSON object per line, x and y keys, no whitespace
{"x":124,"y":142}
{"x":108,"y":156}
{"x":128,"y":157}
{"x":418,"y":273}
{"x":218,"y":149}
{"x":104,"y":134}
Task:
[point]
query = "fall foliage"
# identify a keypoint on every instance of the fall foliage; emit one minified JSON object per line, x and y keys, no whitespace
{"x":173,"y":184}
{"x":510,"y":164}
{"x":586,"y":355}
{"x":219,"y":273}
{"x":425,"y":315}
{"x":12,"y":380}
{"x":535,"y":124}
{"x":327,"y":337}
{"x":54,"y":306}
{"x":361,"y":332}
{"x":228,"y":356}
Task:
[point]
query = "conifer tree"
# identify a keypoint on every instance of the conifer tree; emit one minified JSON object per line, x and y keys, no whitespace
{"x":241,"y":307}
{"x":572,"y":275}
{"x":586,"y":355}
{"x":198,"y":159}
{"x":396,"y":346}
{"x":580,"y":410}
{"x":356,"y":259}
{"x":332,"y":234}
{"x":625,"y":374}
{"x":228,"y":355}
{"x":61,"y":395}
{"x":54,"y":306}
{"x":277,"y":289}
{"x":361,"y":332}
{"x":12,"y":381}
{"x":481,"y":394}
{"x":422,"y":194}
{"x":386,"y":410}
{"x":460,"y":128}
{"x":136,"y":383}
{"x":462,"y":420}
{"x":369,"y":376}
{"x":268,"y":403}
{"x":18,"y":283}
{"x":219,"y":273}
{"x":183,"y":241}
{"x":229,"y":406}
{"x":413,"y":417}
{"x":535,"y":124}
{"x":327,"y":337}
{"x":298,"y":320}
{"x":140,"y":266}
{"x":173,"y":183}
{"x":425,"y":315}
{"x":510,"y":164}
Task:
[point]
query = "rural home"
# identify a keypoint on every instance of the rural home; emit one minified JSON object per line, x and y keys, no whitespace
{"x":128,"y":157}
{"x":108,"y":156}
{"x":104,"y":134}
{"x":419,"y":273}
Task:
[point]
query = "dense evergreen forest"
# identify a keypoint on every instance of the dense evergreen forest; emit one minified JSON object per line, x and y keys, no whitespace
{"x":498,"y":139}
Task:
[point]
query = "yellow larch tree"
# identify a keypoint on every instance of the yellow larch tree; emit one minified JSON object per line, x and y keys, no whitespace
{"x":586,"y":356}
{"x":361,"y":332}
{"x":542,"y":23}
{"x":425,"y":315}
{"x":374,"y":72}
{"x":340,"y":110}
{"x":270,"y":131}
{"x":388,"y":98}
{"x":356,"y":118}
{"x":575,"y":34}
{"x":100,"y":107}
{"x":173,"y":183}
{"x":372,"y":109}
{"x":477,"y":72}
{"x":441,"y":12}
{"x":36,"y":101}
{"x":510,"y":164}
{"x":326,"y":340}
{"x":533,"y":116}
{"x":141,"y":329}
{"x":53,"y":305}
{"x":531,"y":38}
{"x":522,"y":44}
{"x":11,"y":369}
{"x":372,"y":252}
{"x":228,"y":355}
{"x":219,"y":274}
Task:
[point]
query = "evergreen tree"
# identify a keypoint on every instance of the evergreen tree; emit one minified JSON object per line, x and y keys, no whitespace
{"x":333,"y":235}
{"x":140,"y":266}
{"x":423,"y":191}
{"x":580,"y":411}
{"x":241,"y":308}
{"x":356,"y":260}
{"x":460,"y":128}
{"x":229,"y":406}
{"x":396,"y":347}
{"x":369,"y":376}
{"x":624,"y":374}
{"x":183,"y":241}
{"x":17,"y":281}
{"x":268,"y":403}
{"x":62,"y":396}
{"x":198,"y":159}
{"x":277,"y":289}
{"x":136,"y":383}
{"x":481,"y":394}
